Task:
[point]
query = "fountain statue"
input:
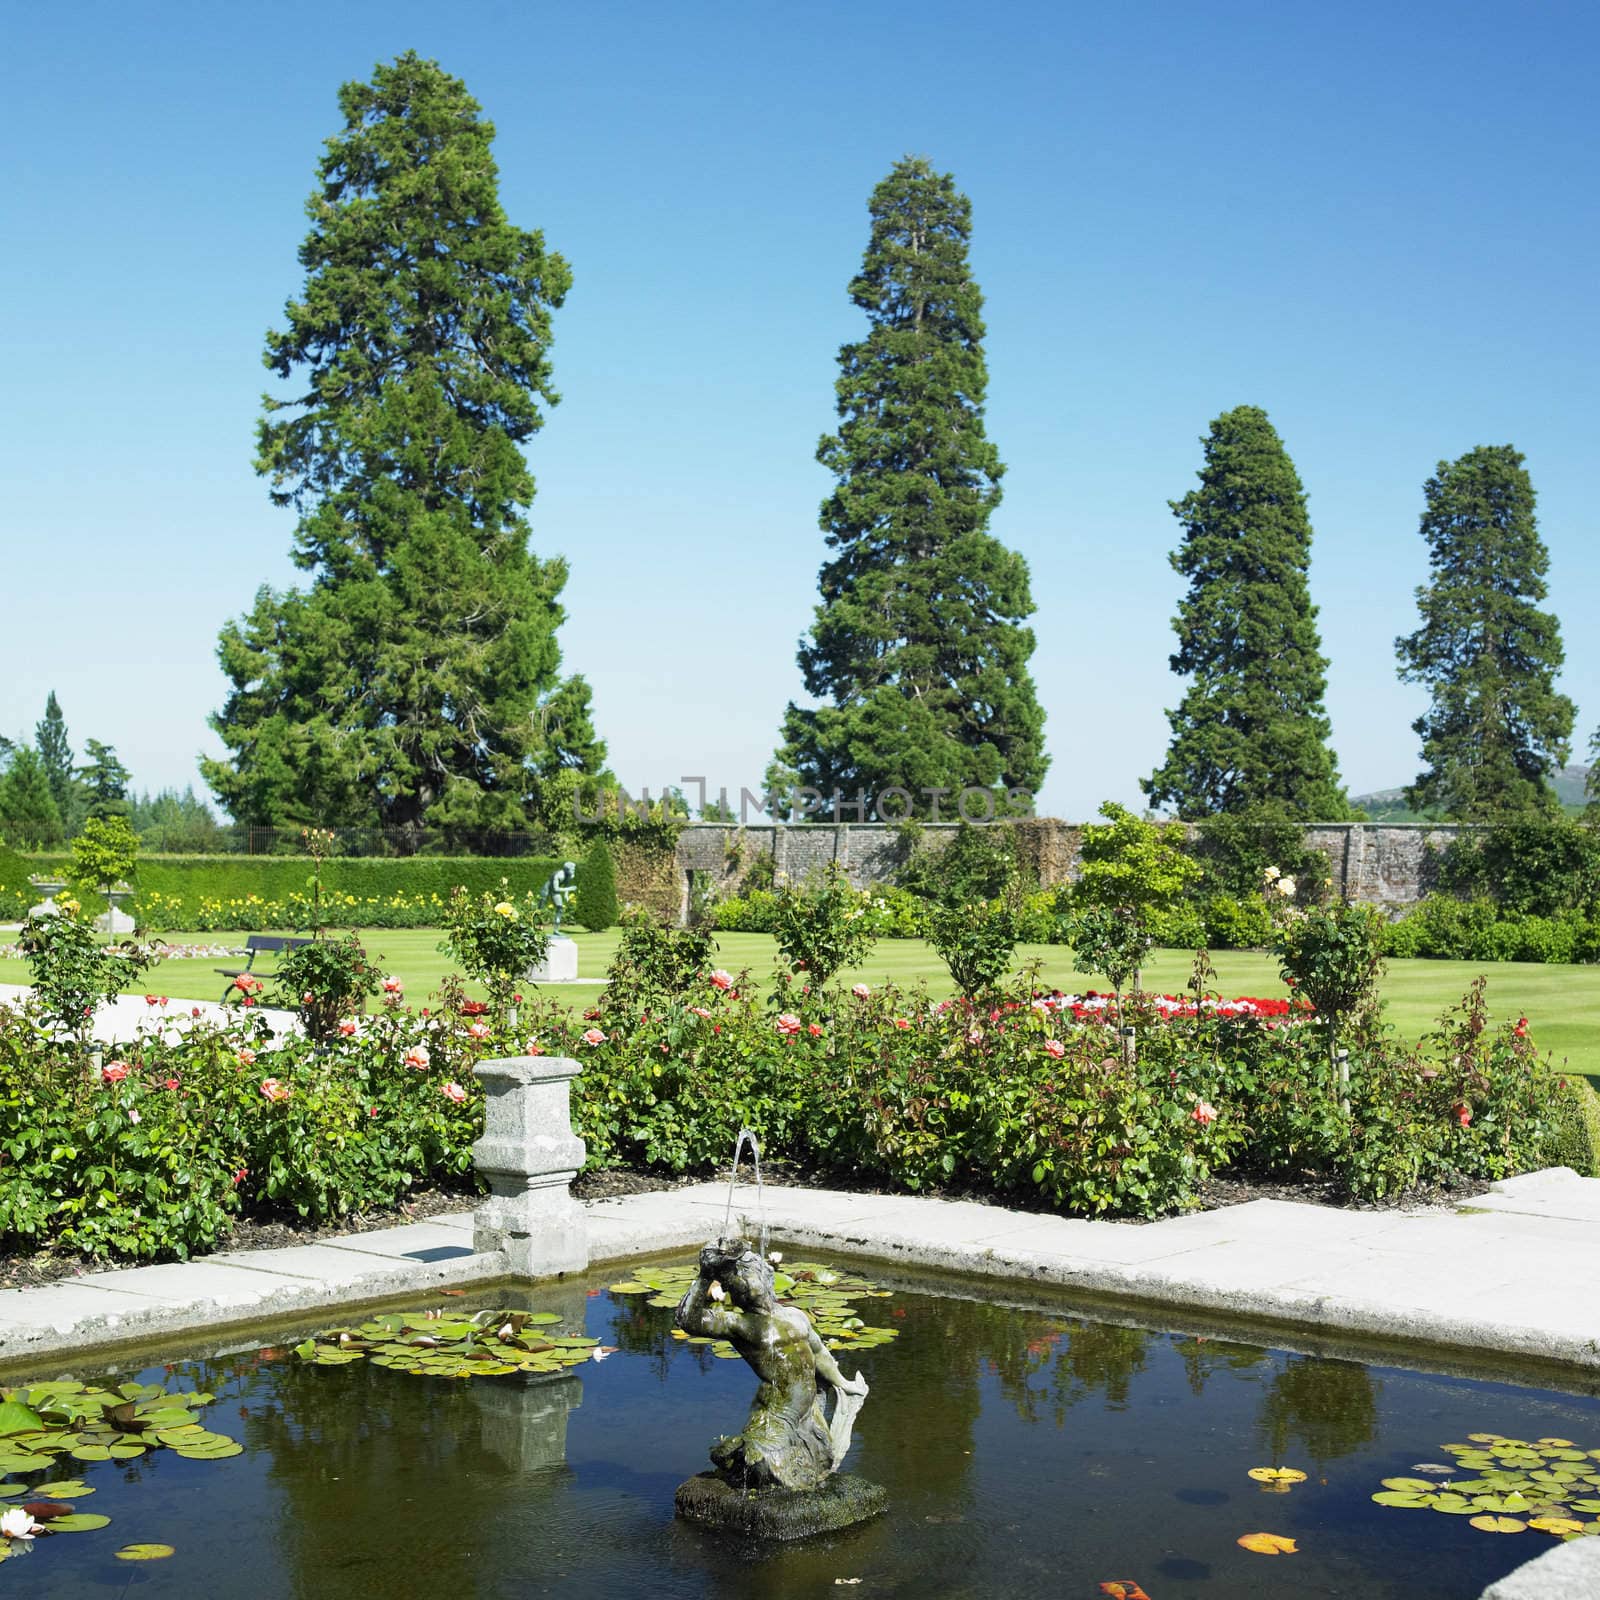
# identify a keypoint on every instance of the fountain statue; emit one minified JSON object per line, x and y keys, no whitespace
{"x":779,"y":1478}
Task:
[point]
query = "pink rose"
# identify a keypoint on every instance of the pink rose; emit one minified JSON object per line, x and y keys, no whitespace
{"x":700,"y":1011}
{"x":393,"y":986}
{"x":902,"y":1022}
{"x":478,"y":1031}
{"x":535,"y":1048}
{"x":453,"y":1092}
{"x":308,"y":999}
{"x":273,"y":1090}
{"x":1204,"y":1113}
{"x":417,"y":1056}
{"x":150,"y":1000}
{"x":788,"y":1024}
{"x":1463,"y":1114}
{"x":247,"y":1057}
{"x":1054,"y":1048}
{"x":593,"y":1036}
{"x":721,"y":979}
{"x":814,"y":1029}
{"x":860,"y":991}
{"x":347,"y":1027}
{"x":115,"y":1072}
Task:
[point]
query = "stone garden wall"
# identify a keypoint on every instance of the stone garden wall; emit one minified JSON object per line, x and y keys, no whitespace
{"x":1381,"y":863}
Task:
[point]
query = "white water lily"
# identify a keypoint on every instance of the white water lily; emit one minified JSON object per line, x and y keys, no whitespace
{"x":19,"y":1524}
{"x":775,"y":1257}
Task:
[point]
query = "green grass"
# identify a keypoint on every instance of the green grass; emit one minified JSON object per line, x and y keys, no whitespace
{"x":1563,"y":1002}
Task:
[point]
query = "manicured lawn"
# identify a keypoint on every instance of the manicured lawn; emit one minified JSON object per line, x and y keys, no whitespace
{"x":1562,"y":1001}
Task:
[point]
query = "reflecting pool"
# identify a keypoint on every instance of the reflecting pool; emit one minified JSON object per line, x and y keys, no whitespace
{"x":1026,"y":1450}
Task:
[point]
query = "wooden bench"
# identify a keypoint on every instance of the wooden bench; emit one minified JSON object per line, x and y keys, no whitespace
{"x":254,"y":944}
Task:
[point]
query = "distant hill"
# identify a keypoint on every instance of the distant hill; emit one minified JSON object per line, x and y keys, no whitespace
{"x":1389,"y":805}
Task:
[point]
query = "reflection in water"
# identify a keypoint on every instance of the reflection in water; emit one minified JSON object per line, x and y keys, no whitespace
{"x":1024,"y":1454}
{"x":1328,"y":1408}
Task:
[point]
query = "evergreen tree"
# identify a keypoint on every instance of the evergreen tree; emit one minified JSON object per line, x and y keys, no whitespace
{"x":1250,"y":734}
{"x":55,"y":755}
{"x":28,"y":814}
{"x":104,"y":781}
{"x":918,"y":640}
{"x":1495,"y":729}
{"x":416,"y":683}
{"x":595,"y":903}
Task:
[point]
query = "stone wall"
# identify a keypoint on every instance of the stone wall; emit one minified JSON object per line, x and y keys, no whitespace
{"x":1380,"y":863}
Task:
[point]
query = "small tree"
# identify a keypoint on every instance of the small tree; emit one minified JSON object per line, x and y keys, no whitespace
{"x":55,"y":753}
{"x":1132,"y":872}
{"x":821,"y":926}
{"x":1332,"y":955}
{"x":104,"y":854}
{"x":325,"y":981}
{"x":595,"y":903}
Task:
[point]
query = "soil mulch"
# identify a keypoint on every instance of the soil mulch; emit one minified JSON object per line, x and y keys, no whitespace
{"x":31,"y":1271}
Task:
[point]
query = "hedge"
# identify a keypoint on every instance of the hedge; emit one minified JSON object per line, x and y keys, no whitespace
{"x":172,"y":888}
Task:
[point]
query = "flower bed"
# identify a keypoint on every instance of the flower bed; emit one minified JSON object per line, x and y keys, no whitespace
{"x":197,"y":1122}
{"x":1092,"y":1006}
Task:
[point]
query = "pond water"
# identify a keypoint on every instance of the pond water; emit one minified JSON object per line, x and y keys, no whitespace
{"x":1025,"y":1452}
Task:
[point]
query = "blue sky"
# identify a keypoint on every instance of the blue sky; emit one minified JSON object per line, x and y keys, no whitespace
{"x":1377,"y":222}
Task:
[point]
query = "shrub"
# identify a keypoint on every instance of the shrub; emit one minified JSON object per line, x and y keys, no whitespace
{"x":820,"y":926}
{"x":595,"y":903}
{"x":17,"y":894}
{"x":73,"y":973}
{"x":653,"y":963}
{"x":496,"y":940}
{"x":1232,"y":924}
{"x":104,"y":852}
{"x":1234,"y":849}
{"x":326,"y":982}
{"x":1537,"y":867}
{"x":1442,"y":928}
{"x":977,"y":863}
{"x":1333,"y":956}
{"x":975,"y":942}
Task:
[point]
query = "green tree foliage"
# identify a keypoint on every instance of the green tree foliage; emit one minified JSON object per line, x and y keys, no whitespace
{"x":416,"y":683}
{"x":104,"y":852}
{"x":28,"y":814}
{"x":176,"y":824}
{"x":918,"y":640}
{"x":595,"y":903}
{"x":103,"y":781}
{"x":1132,"y":872}
{"x":55,"y":754}
{"x":1495,"y":728}
{"x":1250,"y":733}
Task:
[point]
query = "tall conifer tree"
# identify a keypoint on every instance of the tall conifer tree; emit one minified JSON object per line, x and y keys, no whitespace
{"x":28,"y":814}
{"x":55,"y":755}
{"x":1250,"y":734}
{"x":919,"y":640}
{"x":1495,"y":729}
{"x":416,"y":683}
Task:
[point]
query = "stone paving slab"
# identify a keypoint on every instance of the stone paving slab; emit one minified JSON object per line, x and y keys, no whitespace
{"x":1518,"y":1282}
{"x":121,"y":1020}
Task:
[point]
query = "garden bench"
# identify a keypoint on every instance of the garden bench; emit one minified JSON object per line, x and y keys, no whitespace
{"x":254,"y":944}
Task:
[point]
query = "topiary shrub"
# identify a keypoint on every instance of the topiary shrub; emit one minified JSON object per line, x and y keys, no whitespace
{"x":595,"y":904}
{"x":16,"y":893}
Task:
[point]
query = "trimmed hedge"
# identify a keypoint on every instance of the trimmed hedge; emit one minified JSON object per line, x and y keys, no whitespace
{"x":171,"y":889}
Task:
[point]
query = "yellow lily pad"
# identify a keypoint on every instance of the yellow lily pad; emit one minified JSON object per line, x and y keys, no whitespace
{"x":1268,"y":1544}
{"x":1500,"y":1524}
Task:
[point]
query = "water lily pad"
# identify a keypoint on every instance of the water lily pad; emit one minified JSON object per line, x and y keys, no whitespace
{"x":1268,"y":1544}
{"x":66,"y":1489}
{"x":630,"y":1287}
{"x":1405,"y":1485}
{"x":79,"y":1522}
{"x":1394,"y":1497}
{"x":143,"y":1552}
{"x":1500,"y":1524}
{"x":1559,"y":1525}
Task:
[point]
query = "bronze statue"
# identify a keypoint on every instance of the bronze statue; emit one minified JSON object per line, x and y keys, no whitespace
{"x":788,"y":1441}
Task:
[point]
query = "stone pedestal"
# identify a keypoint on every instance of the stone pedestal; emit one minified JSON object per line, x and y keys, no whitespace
{"x":529,"y":1156}
{"x":560,"y":964}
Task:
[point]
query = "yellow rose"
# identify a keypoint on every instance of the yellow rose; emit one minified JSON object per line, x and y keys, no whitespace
{"x":506,"y":909}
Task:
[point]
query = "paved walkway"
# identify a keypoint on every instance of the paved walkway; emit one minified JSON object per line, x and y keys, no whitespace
{"x":1514,"y":1274}
{"x":119,"y":1020}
